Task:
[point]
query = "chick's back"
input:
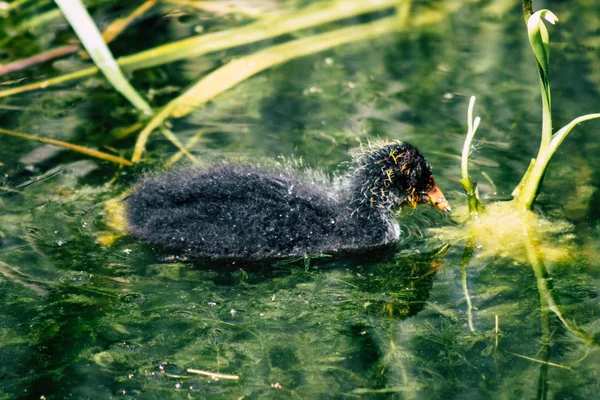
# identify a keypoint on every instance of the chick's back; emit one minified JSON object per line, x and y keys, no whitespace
{"x":233,"y":211}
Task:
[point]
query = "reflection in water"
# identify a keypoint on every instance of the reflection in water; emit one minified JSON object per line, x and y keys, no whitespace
{"x":81,"y":319}
{"x":528,"y":234}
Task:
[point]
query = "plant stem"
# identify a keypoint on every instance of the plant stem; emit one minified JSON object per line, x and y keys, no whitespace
{"x":470,"y":188}
{"x":70,"y":146}
{"x":222,"y":7}
{"x":529,"y":187}
{"x":519,"y":188}
{"x":169,"y":135}
{"x":466,"y":258}
{"x":118,"y":26}
{"x":190,"y":143}
{"x":546,"y":113}
{"x":532,"y":181}
{"x":38,"y":59}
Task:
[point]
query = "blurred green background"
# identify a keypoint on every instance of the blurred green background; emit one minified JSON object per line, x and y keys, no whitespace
{"x":82,"y":320}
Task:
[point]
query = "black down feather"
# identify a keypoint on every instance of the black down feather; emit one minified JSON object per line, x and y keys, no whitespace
{"x":248,"y":212}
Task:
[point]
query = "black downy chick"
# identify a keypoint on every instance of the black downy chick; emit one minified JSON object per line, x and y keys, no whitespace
{"x":253,"y":213}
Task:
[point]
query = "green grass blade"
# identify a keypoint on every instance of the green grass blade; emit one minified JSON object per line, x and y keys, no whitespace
{"x":272,"y":26}
{"x":239,"y":70}
{"x":70,"y":146}
{"x":317,"y":14}
{"x":90,"y":37}
{"x":245,"y":67}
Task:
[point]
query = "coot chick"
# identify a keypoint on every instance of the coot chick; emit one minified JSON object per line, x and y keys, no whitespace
{"x":248,"y":212}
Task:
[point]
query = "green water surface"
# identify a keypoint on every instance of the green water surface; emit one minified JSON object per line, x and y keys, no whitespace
{"x":79,"y":320}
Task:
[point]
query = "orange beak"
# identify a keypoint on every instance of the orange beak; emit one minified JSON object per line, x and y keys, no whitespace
{"x":437,"y":199}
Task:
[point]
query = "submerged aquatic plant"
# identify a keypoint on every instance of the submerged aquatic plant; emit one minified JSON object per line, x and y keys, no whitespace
{"x":506,"y":229}
{"x":510,"y":230}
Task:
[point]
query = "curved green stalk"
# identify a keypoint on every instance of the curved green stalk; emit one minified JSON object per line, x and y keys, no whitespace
{"x":169,"y":135}
{"x":69,"y":146}
{"x":527,"y":190}
{"x":559,"y":136}
{"x":266,"y":28}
